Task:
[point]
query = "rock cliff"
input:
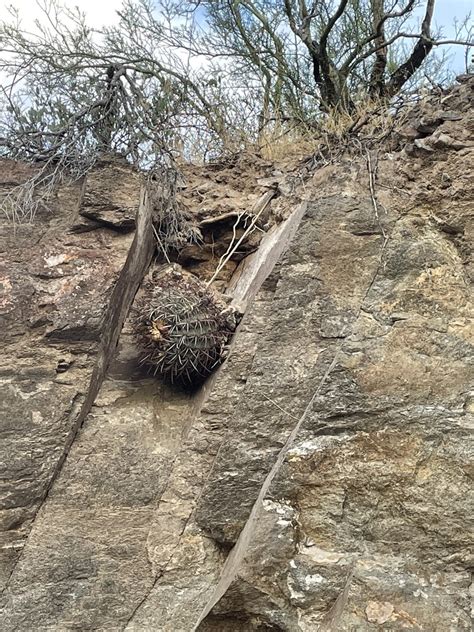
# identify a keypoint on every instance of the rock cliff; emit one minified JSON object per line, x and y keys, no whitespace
{"x":321,"y":479}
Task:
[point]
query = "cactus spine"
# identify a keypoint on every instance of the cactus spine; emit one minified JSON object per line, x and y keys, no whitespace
{"x":181,"y":327}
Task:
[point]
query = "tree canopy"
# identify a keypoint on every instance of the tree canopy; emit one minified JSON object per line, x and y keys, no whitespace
{"x":201,"y":76}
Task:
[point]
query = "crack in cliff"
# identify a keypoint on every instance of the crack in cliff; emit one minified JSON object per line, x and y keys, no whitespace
{"x":334,"y":614}
{"x":135,"y":266}
{"x":236,"y":556}
{"x":251,"y":280}
{"x":165,"y":566}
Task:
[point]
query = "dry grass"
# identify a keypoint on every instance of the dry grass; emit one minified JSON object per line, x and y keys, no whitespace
{"x":286,"y":145}
{"x":370,"y":120}
{"x":369,"y":125}
{"x":335,"y":133}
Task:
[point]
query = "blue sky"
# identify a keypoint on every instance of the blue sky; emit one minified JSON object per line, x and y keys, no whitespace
{"x":446,"y":11}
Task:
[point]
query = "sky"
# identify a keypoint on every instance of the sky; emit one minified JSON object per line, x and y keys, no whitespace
{"x":99,"y":12}
{"x":102,"y":12}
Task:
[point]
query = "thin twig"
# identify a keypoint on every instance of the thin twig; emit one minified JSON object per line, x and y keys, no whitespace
{"x":264,"y":202}
{"x":161,"y":245}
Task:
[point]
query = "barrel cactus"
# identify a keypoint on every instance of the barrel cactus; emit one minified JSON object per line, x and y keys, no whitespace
{"x":181,"y":326}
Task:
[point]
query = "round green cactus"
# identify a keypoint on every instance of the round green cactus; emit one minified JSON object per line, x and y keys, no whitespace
{"x":181,"y":326}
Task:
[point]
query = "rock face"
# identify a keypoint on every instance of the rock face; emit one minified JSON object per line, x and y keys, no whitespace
{"x":321,"y":480}
{"x":55,"y":289}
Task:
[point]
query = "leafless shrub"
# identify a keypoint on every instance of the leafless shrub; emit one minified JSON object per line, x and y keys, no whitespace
{"x":174,"y":225}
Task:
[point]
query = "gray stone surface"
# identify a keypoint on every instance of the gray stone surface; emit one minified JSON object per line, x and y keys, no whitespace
{"x":56,"y":289}
{"x":320,"y":481}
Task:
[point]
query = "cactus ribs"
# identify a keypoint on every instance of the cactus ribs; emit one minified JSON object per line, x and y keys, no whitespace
{"x":181,"y":325}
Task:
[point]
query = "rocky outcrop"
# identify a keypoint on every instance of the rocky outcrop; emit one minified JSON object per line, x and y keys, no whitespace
{"x":52,"y":302}
{"x":319,"y":480}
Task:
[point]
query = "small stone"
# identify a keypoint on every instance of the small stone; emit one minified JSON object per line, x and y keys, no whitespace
{"x":428,"y":125}
{"x":465,"y":78}
{"x":443,"y":141}
{"x":450,"y":115}
{"x":421,"y":143}
{"x":269,"y":183}
{"x":378,"y":612}
{"x":408,"y":131}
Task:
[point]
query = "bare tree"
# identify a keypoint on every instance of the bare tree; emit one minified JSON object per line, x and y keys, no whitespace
{"x":203,"y":76}
{"x":72,"y":94}
{"x":329,"y":52}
